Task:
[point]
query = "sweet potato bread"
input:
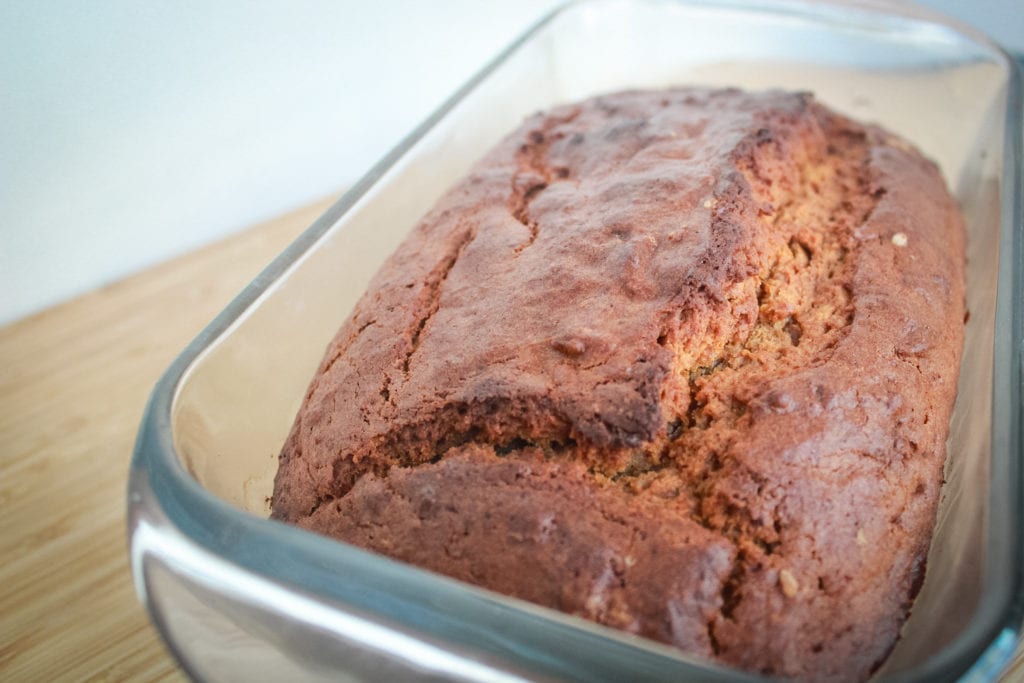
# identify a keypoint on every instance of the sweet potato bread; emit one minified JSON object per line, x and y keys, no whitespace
{"x":680,"y":362}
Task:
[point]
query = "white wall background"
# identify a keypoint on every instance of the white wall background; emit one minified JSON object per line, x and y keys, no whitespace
{"x":133,"y":131}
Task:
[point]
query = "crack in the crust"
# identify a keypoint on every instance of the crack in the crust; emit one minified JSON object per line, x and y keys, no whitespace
{"x":432,"y":295}
{"x":532,"y":156}
{"x":731,"y":588}
{"x":343,"y":348}
{"x":520,"y":213}
{"x":716,"y":648}
{"x":551,"y":447}
{"x":321,"y":498}
{"x":745,"y":537}
{"x":430,"y":298}
{"x":484,"y":421}
{"x":791,"y":326}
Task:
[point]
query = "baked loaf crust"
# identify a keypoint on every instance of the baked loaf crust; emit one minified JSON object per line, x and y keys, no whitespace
{"x":679,"y":362}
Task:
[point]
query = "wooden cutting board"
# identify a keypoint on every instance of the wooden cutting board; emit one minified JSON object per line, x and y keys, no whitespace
{"x":73,"y":384}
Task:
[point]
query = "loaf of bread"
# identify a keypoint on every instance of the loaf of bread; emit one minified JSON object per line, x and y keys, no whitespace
{"x":679,"y":362}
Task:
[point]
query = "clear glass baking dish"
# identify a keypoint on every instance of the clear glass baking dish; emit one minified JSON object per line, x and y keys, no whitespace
{"x":240,"y":597}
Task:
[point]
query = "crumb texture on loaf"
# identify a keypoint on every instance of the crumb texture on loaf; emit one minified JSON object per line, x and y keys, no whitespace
{"x":680,"y":362}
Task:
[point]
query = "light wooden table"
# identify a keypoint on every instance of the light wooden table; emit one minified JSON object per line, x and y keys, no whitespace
{"x":73,"y":383}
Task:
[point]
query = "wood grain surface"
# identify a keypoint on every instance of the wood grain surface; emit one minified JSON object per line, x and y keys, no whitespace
{"x":73,"y":384}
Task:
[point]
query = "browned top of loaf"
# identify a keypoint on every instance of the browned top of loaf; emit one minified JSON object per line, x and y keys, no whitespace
{"x":680,"y":362}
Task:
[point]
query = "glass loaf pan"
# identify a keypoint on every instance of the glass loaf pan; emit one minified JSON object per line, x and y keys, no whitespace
{"x":239,"y":597}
